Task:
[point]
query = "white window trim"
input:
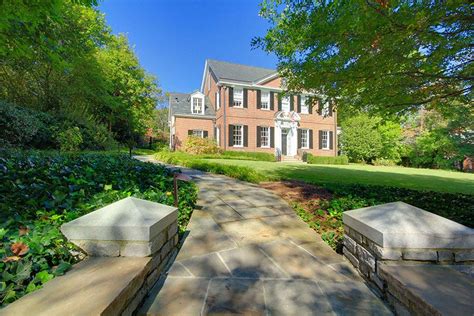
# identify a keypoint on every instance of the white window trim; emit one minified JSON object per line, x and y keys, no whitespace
{"x":285,"y":103}
{"x":241,"y":101}
{"x":268,"y":136}
{"x":325,"y":110}
{"x":322,"y":141}
{"x":306,"y":131}
{"x":267,"y":100}
{"x":304,"y":106}
{"x":198,"y":131}
{"x":218,"y":136}
{"x":218,"y":102}
{"x":241,"y":136}
{"x":202,"y":103}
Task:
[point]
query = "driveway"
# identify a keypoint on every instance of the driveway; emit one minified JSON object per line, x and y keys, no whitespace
{"x":247,"y":252}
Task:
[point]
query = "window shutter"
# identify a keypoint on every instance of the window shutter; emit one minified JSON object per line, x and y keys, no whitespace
{"x":310,"y":139}
{"x":231,"y":97}
{"x":320,"y":108}
{"x":205,"y":134}
{"x":279,"y":102}
{"x":246,"y":134}
{"x":215,"y":100}
{"x":272,"y":137}
{"x":292,"y":101}
{"x":246,"y":91}
{"x":190,"y":131}
{"x":330,"y":109}
{"x":320,"y":139}
{"x":231,"y":135}
{"x":272,"y":100}
{"x":330,"y":140}
{"x":259,"y":99}
{"x":298,"y":104}
{"x":310,"y":105}
{"x":259,"y":135}
{"x":299,"y":133}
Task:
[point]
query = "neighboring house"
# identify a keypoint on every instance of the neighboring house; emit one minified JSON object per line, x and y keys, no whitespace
{"x":242,"y":108}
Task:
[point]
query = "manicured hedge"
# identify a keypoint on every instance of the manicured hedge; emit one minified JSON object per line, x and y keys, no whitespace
{"x":322,"y":160}
{"x":239,"y":155}
{"x":41,"y":191}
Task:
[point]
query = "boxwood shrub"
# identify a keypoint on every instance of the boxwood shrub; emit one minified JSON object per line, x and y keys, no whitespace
{"x":41,"y":191}
{"x":322,"y":160}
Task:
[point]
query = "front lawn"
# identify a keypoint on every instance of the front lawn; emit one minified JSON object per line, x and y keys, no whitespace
{"x":402,"y":177}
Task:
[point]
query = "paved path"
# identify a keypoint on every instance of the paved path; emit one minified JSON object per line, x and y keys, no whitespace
{"x":248,"y":253}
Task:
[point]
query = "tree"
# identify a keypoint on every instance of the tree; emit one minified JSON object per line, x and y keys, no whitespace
{"x":385,"y":56}
{"x":360,"y":140}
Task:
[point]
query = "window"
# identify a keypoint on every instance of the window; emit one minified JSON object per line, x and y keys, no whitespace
{"x":218,"y":136}
{"x":238,"y":136}
{"x":198,"y":107}
{"x":198,"y":133}
{"x":238,"y":98}
{"x":218,"y":100}
{"x":325,"y":109}
{"x":285,"y":104}
{"x":265,"y":100}
{"x":265,"y":137}
{"x":304,"y":105}
{"x":325,"y":139}
{"x":304,"y":138}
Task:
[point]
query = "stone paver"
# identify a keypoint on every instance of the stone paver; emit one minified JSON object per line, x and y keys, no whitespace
{"x":248,"y":253}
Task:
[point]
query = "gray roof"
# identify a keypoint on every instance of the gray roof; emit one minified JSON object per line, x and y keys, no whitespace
{"x":236,"y":72}
{"x":180,"y":104}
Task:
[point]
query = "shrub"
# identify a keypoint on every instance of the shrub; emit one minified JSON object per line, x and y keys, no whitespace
{"x":240,"y":155}
{"x":384,"y":162}
{"x":41,"y":191}
{"x":339,"y":160}
{"x":70,"y":139}
{"x":199,"y":145}
{"x":360,"y":140}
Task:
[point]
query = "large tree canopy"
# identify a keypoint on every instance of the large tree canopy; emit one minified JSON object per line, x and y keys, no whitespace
{"x":382,"y":55}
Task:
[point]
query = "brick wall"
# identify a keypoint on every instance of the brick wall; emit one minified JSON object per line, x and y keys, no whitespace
{"x":183,"y":124}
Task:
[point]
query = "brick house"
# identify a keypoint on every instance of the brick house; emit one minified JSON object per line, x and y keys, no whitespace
{"x":243,"y":108}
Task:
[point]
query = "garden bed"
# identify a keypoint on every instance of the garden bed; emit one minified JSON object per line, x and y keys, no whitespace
{"x":42,"y":191}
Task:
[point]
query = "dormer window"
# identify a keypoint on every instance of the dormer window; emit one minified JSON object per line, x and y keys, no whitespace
{"x":197,"y":105}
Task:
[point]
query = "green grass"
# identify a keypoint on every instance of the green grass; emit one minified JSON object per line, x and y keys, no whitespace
{"x":402,"y":177}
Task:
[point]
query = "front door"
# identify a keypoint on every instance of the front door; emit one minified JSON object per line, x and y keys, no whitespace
{"x":284,"y":136}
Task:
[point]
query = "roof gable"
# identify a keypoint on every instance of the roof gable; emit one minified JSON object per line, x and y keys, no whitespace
{"x":236,"y":72}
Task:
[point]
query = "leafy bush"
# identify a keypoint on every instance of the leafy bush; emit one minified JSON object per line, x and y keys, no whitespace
{"x":70,"y":139}
{"x":339,"y":160}
{"x":383,"y":162}
{"x":199,"y":145}
{"x":241,"y":155}
{"x":360,"y":140}
{"x":42,"y":191}
{"x":195,"y":162}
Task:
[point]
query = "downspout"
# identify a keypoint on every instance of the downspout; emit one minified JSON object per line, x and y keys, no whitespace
{"x":225,"y":126}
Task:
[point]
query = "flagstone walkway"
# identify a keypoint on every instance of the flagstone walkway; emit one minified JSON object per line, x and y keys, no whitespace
{"x":248,"y":253}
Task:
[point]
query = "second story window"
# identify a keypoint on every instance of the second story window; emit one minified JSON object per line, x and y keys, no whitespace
{"x":238,"y":98}
{"x":265,"y":100}
{"x":218,"y":100}
{"x":285,"y":104}
{"x":304,"y":105}
{"x":197,"y":105}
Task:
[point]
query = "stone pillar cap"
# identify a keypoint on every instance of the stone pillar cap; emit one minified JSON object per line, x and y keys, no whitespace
{"x":128,"y":219}
{"x":401,"y":225}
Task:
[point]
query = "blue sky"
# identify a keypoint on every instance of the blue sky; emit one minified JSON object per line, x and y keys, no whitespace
{"x":173,"y":38}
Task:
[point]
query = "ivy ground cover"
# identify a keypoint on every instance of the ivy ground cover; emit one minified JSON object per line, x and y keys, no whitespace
{"x":41,"y":191}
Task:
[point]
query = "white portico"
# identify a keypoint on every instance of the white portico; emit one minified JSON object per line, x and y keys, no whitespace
{"x":286,"y":132}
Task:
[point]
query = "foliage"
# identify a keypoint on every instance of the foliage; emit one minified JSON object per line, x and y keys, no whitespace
{"x":387,"y":56}
{"x":196,"y":162}
{"x":61,"y":58}
{"x":321,"y":160}
{"x":40,"y":191}
{"x":384,"y":162}
{"x":70,"y":139}
{"x":360,"y":140}
{"x":242,"y":155}
{"x":200,"y":145}
{"x":391,"y":138}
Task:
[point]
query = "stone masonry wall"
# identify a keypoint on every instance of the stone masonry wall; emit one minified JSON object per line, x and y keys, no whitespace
{"x":366,"y":256}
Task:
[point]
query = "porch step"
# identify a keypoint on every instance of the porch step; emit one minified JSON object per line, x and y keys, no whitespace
{"x":291,"y":159}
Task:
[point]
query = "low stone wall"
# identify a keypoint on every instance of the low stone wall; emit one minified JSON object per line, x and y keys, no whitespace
{"x":400,"y":233}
